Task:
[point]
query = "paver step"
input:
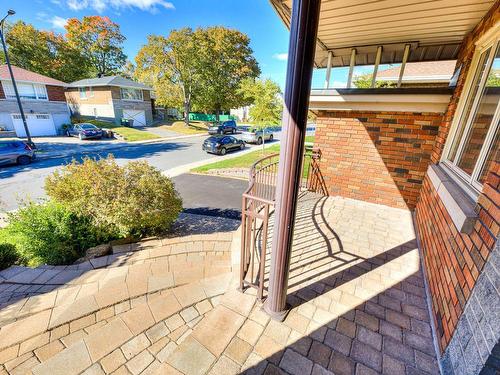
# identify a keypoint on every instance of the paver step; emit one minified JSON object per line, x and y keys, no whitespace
{"x":107,"y":285}
{"x":200,"y":351}
{"x":214,"y":245}
{"x":138,"y":333}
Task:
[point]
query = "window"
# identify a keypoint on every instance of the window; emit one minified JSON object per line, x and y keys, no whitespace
{"x":86,"y":92}
{"x":474,"y":143}
{"x":131,"y":94}
{"x":26,"y":91}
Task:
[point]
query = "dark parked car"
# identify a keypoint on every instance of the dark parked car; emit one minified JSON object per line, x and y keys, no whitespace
{"x":221,"y":144}
{"x":16,"y":152}
{"x":84,"y":131}
{"x":224,"y":128}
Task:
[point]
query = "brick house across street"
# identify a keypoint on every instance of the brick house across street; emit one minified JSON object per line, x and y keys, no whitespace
{"x":111,"y":98}
{"x":421,"y":74}
{"x":43,"y":100}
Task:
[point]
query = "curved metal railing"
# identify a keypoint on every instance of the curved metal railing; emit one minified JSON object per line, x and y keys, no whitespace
{"x":257,"y":205}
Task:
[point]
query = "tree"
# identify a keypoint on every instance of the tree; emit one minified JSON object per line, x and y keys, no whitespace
{"x":265,"y":96}
{"x":365,"y":82}
{"x":128,"y":70}
{"x":100,"y":41}
{"x":44,"y":52}
{"x":171,"y":66}
{"x":225,"y":59}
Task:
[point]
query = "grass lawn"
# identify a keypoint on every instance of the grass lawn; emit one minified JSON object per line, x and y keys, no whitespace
{"x":243,"y":161}
{"x":128,"y":134}
{"x":180,"y":127}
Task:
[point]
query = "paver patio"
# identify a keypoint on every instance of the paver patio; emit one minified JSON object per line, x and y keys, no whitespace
{"x":170,"y":306}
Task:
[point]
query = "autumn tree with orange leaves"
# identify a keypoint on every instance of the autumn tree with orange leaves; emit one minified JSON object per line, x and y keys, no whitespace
{"x":99,"y":41}
{"x":44,"y":52}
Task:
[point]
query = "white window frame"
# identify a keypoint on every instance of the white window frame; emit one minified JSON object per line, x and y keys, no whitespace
{"x":131,"y":100}
{"x":87,"y":91}
{"x":470,"y":183}
{"x":39,"y":90}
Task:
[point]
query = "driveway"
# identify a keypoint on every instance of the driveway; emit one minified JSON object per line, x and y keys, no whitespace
{"x":211,"y":195}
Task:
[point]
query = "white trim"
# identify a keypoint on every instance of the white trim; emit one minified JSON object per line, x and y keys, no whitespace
{"x":375,"y":68}
{"x":470,"y":183}
{"x":352,"y":63}
{"x":436,"y":103}
{"x":406,"y":53}
{"x":328,"y":70}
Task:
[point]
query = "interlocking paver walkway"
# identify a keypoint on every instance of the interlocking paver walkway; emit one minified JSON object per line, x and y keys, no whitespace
{"x":170,"y":306}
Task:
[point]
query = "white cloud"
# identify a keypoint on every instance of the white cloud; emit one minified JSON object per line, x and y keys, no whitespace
{"x":101,"y":5}
{"x":281,"y":56}
{"x":58,"y":22}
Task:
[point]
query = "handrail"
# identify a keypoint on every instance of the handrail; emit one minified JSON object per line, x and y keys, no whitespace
{"x":258,"y":202}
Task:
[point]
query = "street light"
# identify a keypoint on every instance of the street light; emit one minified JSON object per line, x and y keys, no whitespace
{"x":10,"y":12}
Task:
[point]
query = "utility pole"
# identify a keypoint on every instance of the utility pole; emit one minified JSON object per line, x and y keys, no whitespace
{"x":7,"y":60}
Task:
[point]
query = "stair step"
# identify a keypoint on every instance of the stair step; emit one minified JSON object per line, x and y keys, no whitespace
{"x":136,"y":334}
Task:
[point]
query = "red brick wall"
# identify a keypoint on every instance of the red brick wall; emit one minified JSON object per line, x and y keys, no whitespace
{"x":2,"y":94}
{"x":56,"y":93}
{"x":379,"y":157}
{"x":454,"y":260}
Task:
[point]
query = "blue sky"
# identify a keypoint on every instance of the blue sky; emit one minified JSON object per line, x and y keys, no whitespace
{"x":139,"y":18}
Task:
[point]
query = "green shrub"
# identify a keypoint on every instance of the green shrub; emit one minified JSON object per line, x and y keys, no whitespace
{"x":8,"y":255}
{"x":50,"y":233}
{"x":133,"y":200}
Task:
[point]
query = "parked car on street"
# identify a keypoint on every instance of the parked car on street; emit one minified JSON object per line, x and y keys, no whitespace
{"x":84,"y":131}
{"x":224,"y":128}
{"x":255,"y":135}
{"x":221,"y":144}
{"x":16,"y":152}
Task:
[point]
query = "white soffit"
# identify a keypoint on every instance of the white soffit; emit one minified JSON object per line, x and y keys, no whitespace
{"x":433,"y":28}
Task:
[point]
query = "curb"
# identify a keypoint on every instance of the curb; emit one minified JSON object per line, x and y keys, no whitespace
{"x":176,"y":171}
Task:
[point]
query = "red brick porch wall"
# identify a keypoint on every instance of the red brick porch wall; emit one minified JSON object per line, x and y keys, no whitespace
{"x":454,"y":260}
{"x":379,"y":157}
{"x":56,"y":93}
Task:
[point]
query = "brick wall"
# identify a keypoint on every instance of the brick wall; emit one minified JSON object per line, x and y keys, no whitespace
{"x":56,"y":93}
{"x":2,"y":94}
{"x":379,"y":157}
{"x":453,"y":260}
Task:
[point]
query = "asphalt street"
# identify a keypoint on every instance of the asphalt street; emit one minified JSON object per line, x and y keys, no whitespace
{"x":26,"y":182}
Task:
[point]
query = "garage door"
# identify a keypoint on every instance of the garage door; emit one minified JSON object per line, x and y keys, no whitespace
{"x":39,"y":124}
{"x":139,"y":117}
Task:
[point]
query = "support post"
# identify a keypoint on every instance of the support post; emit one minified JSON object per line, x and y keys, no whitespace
{"x":377,"y":63}
{"x":403,"y":64}
{"x":19,"y":104}
{"x":352,"y":62}
{"x":303,"y":34}
{"x":328,"y":70}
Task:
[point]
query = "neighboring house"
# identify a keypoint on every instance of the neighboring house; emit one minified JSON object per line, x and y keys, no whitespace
{"x":241,"y":113}
{"x":421,"y":74}
{"x":43,"y":102}
{"x":111,"y":98}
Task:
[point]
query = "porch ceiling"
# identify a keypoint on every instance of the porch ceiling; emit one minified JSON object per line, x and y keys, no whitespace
{"x":433,"y":28}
